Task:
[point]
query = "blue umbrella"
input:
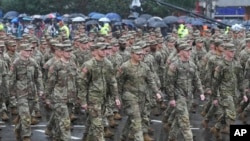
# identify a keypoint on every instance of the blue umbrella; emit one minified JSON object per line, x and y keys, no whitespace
{"x":93,"y":13}
{"x":15,"y":20}
{"x":113,"y":17}
{"x":170,"y":19}
{"x":196,"y":22}
{"x":97,"y":16}
{"x":10,"y":15}
{"x":140,"y":21}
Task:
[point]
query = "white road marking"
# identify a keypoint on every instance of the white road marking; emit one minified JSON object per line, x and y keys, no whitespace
{"x":44,"y":125}
{"x":159,"y":121}
{"x":72,"y":137}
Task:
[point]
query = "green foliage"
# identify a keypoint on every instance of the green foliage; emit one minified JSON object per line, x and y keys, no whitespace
{"x":87,"y":6}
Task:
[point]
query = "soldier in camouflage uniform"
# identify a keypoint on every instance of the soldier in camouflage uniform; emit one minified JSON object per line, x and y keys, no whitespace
{"x":25,"y":82}
{"x":228,"y":78}
{"x":96,"y":76}
{"x":135,"y":76}
{"x":4,"y":84}
{"x":62,"y":89}
{"x":184,"y":78}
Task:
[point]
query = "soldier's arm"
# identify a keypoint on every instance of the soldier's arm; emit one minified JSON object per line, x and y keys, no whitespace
{"x":51,"y":81}
{"x":241,"y":81}
{"x":218,"y":73}
{"x":12,"y":80}
{"x":197,"y":83}
{"x":112,"y":82}
{"x":38,"y":79}
{"x":150,"y":80}
{"x":83,"y":81}
{"x":171,"y":77}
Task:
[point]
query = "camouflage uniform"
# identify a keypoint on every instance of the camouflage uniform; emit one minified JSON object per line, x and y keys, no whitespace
{"x":25,"y":81}
{"x":96,"y":76}
{"x":184,"y":79}
{"x":228,"y":78}
{"x":134,"y":80}
{"x":62,"y":89}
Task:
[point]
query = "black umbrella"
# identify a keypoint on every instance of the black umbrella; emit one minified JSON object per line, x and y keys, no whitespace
{"x":157,"y":24}
{"x":170,"y":19}
{"x":91,"y":22}
{"x":140,"y":21}
{"x":154,"y":19}
{"x":10,"y":15}
{"x":146,"y":16}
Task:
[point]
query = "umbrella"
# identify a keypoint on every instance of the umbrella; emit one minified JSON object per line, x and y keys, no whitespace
{"x":93,"y":13}
{"x":78,"y":19}
{"x":170,"y":19}
{"x":128,"y":21}
{"x":15,"y":20}
{"x":27,"y":18}
{"x":113,"y":16}
{"x":97,"y":16}
{"x":196,"y":22}
{"x":65,"y":19}
{"x":133,"y":15}
{"x":104,"y":19}
{"x":157,"y":24}
{"x":91,"y":22}
{"x":146,"y":16}
{"x":154,"y":19}
{"x":22,"y":15}
{"x":50,"y":16}
{"x":66,"y":15}
{"x":10,"y":15}
{"x":37,"y":17}
{"x":118,"y":23}
{"x":140,"y":21}
{"x":74,"y":15}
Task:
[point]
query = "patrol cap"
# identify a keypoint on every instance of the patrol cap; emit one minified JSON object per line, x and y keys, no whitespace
{"x":53,"y":42}
{"x":184,"y":46}
{"x":198,"y":40}
{"x":218,"y":42}
{"x":11,"y":43}
{"x":2,"y":44}
{"x":59,"y":46}
{"x":66,"y":42}
{"x":229,"y":46}
{"x":159,"y":40}
{"x":114,"y":43}
{"x":247,"y":39}
{"x":136,"y":50}
{"x":152,"y":43}
{"x":141,"y":44}
{"x":122,"y":41}
{"x":100,"y":39}
{"x":84,"y":40}
{"x":25,"y":47}
{"x":99,"y":45}
{"x":67,"y":47}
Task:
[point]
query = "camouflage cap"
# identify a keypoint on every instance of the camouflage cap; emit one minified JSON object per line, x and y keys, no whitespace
{"x":136,"y":50}
{"x":2,"y":44}
{"x":247,"y":39}
{"x":84,"y":40}
{"x":141,"y":44}
{"x":25,"y":47}
{"x":122,"y":41}
{"x":11,"y":43}
{"x":67,"y":47}
{"x":159,"y":40}
{"x":66,"y":42}
{"x":218,"y":42}
{"x":184,"y":46}
{"x":100,"y":39}
{"x":114,"y":43}
{"x":171,"y":39}
{"x":33,"y":40}
{"x":152,"y":43}
{"x":59,"y":46}
{"x":229,"y":46}
{"x":53,"y":42}
{"x":99,"y":45}
{"x":199,"y":40}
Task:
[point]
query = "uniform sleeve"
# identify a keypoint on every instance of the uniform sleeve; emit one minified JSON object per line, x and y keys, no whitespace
{"x":197,"y":83}
{"x":112,"y":82}
{"x":83,"y":81}
{"x":51,"y":81}
{"x":12,"y":79}
{"x":218,"y":73}
{"x":242,"y":84}
{"x":171,"y":78}
{"x":150,"y":80}
{"x":38,"y":78}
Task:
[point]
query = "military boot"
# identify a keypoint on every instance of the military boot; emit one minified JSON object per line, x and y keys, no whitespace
{"x":17,"y":134}
{"x":225,"y":130}
{"x":203,"y":113}
{"x":26,"y":139}
{"x":216,"y":133}
{"x":147,"y":137}
{"x":166,"y":127}
{"x":13,"y":111}
{"x":163,"y":106}
{"x":204,"y":123}
{"x":243,"y":117}
{"x":112,"y":122}
{"x":38,"y":114}
{"x":108,"y":133}
{"x":48,"y":132}
{"x":156,"y":111}
{"x":4,"y":116}
{"x":73,"y":117}
{"x":16,"y":120}
{"x":150,"y":131}
{"x":117,"y":116}
{"x":34,"y":121}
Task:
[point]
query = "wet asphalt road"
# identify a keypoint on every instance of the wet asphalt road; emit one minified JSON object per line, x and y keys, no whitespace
{"x":200,"y":134}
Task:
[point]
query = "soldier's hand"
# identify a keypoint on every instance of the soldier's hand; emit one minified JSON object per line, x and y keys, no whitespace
{"x":215,"y":102}
{"x":245,"y":99}
{"x":202,"y":96}
{"x":41,"y":93}
{"x":172,"y":103}
{"x":158,"y":96}
{"x":48,"y":103}
{"x":85,"y":106}
{"x":118,"y":103}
